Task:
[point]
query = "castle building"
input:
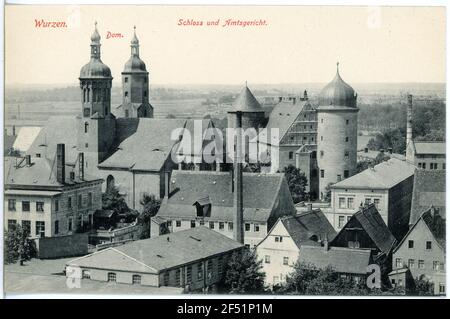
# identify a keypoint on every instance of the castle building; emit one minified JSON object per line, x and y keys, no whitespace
{"x":135,"y":84}
{"x":253,"y":115}
{"x":337,"y":115}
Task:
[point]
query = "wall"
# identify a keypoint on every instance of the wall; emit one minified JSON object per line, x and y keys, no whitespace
{"x":400,"y":197}
{"x":63,"y":246}
{"x":332,"y":126}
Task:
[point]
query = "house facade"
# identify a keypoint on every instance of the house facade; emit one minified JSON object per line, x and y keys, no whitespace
{"x":426,"y":155}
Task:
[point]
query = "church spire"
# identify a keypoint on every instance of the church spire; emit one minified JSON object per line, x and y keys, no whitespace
{"x":135,"y":44}
{"x":95,"y":43}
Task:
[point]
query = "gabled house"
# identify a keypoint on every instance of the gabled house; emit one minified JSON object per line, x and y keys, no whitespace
{"x":366,"y":229}
{"x":422,"y":250}
{"x":279,"y":250}
{"x":197,"y":198}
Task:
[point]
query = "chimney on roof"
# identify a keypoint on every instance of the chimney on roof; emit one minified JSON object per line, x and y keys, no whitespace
{"x":409,"y":110}
{"x":366,"y":150}
{"x":305,"y":96}
{"x":325,"y":243}
{"x":14,"y":130}
{"x":60,"y":163}
{"x":309,"y":205}
{"x":232,"y":179}
{"x":390,"y":150}
{"x":166,"y":185}
{"x":294,"y":99}
{"x":280,"y":98}
{"x":238,"y":191}
{"x":28,"y":160}
{"x":382,"y":150}
{"x":81,"y":166}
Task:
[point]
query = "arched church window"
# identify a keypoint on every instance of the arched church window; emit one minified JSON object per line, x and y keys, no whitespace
{"x":86,"y":127}
{"x":110,"y":182}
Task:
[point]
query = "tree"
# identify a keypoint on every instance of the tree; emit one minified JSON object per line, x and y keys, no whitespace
{"x":18,"y":246}
{"x":297,"y":183}
{"x":327,"y":195}
{"x":150,"y":208}
{"x":243,"y":274}
{"x":422,"y":287}
{"x":113,"y":200}
{"x":252,"y":168}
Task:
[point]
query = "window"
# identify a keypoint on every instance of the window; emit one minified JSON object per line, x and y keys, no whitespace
{"x":39,"y":155}
{"x":86,"y":127}
{"x":346,"y":174}
{"x":56,"y":227}
{"x":410,"y":243}
{"x":321,"y":138}
{"x":127,"y":113}
{"x":39,"y":206}
{"x":346,"y":138}
{"x":40,"y":228}
{"x":89,"y":199}
{"x":11,"y":204}
{"x":211,"y":225}
{"x":341,"y":221}
{"x":177,"y":276}
{"x":376,"y":202}
{"x":126,"y":79}
{"x":247,"y":227}
{"x":321,"y":120}
{"x":435,"y":265}
{"x":342,"y":202}
{"x":80,"y":200}
{"x":276,"y":280}
{"x":367,"y":201}
{"x":267,"y":259}
{"x":428,"y":245}
{"x":189,"y":274}
{"x":221,"y":225}
{"x":350,"y":202}
{"x":421,"y":264}
{"x":12,"y":223}
{"x":72,"y":174}
{"x":346,"y":154}
{"x":192,"y":223}
{"x":112,"y":277}
{"x":56,"y":205}
{"x":220,"y":265}
{"x":145,"y":93}
{"x":136,"y":279}
{"x":285,"y":261}
{"x":230,"y":225}
{"x":348,"y":218}
{"x":347,"y":121}
{"x":441,"y":288}
{"x":25,"y":206}
{"x":169,"y":223}
{"x":86,"y":274}
{"x":322,"y":153}
{"x":69,"y":202}
{"x":26,"y":225}
{"x":256,"y":228}
{"x":178,"y":223}
{"x":411,"y":263}
{"x":443,"y":165}
{"x":398,"y":263}
{"x":322,"y":173}
{"x":291,"y":155}
{"x":339,"y":177}
{"x":69,"y":227}
{"x":199,"y":271}
{"x":87,"y":112}
{"x":126,"y":93}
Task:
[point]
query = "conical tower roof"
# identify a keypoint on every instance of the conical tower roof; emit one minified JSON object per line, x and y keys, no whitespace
{"x":246,"y":102}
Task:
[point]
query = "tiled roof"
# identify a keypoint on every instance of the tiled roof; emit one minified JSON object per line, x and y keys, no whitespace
{"x":428,"y":190}
{"x":41,"y":172}
{"x":147,"y":148}
{"x":372,"y":222}
{"x":343,"y":260}
{"x":429,"y":147}
{"x":261,"y":191}
{"x":382,"y":176}
{"x":246,"y":102}
{"x":162,"y":252}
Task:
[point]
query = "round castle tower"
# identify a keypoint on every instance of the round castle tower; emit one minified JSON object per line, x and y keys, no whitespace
{"x":337,"y":116}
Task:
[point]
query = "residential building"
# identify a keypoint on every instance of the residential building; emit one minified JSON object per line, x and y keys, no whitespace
{"x":422,"y":250}
{"x":279,"y":250}
{"x":42,"y":198}
{"x":366,"y":229}
{"x":193,"y":259}
{"x":427,"y":155}
{"x":428,"y":190}
{"x":348,"y":262}
{"x":196,"y":198}
{"x":388,"y":186}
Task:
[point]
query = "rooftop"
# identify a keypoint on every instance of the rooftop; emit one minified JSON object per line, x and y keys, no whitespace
{"x":382,"y":176}
{"x":428,"y":190}
{"x":430,"y":147}
{"x":246,"y":102}
{"x":157,"y":254}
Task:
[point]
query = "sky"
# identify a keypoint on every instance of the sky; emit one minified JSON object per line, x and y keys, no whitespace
{"x":298,"y":44}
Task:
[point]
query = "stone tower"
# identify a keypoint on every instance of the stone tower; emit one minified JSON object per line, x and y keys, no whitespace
{"x":96,"y":124}
{"x":135,"y":86}
{"x":337,"y":116}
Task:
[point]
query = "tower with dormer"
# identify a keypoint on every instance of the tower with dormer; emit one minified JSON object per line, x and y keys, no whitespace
{"x":96,"y":123}
{"x":135,"y":86}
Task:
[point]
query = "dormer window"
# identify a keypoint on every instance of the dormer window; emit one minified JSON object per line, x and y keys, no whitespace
{"x":203,"y":206}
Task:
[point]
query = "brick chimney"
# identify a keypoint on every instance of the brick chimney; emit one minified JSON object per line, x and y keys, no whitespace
{"x":238,"y":191}
{"x":166,"y":185}
{"x":28,"y":160}
{"x":60,"y":163}
{"x":305,"y":96}
{"x":409,"y":110}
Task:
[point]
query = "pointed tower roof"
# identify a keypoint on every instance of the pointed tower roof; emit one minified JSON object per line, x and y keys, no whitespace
{"x":246,"y":102}
{"x":95,"y":68}
{"x":135,"y":40}
{"x":337,"y":93}
{"x":95,"y":37}
{"x":134,"y":63}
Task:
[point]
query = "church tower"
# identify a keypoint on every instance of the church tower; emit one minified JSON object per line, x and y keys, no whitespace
{"x":337,"y":116}
{"x":135,"y":86}
{"x":96,"y":123}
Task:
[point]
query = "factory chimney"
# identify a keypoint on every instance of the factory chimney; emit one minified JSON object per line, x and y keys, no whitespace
{"x":60,"y":164}
{"x":409,"y":111}
{"x":238,"y":191}
{"x":81,"y":166}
